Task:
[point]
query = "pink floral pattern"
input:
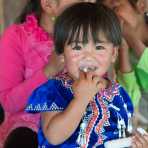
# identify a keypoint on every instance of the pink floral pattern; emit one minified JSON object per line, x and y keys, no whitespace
{"x":39,"y":43}
{"x":37,"y":49}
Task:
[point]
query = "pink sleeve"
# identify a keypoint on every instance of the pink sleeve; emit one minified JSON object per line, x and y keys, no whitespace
{"x":14,"y":89}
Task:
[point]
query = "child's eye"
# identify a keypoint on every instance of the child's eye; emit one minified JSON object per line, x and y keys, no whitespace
{"x":76,"y":47}
{"x":100,"y":48}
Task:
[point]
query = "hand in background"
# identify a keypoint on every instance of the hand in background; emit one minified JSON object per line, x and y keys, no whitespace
{"x":133,"y":39}
{"x":124,"y":58}
{"x":55,"y":65}
{"x":140,"y":141}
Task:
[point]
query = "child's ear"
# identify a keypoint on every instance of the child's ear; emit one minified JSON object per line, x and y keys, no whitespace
{"x":141,"y":6}
{"x":114,"y":54}
{"x":49,"y":6}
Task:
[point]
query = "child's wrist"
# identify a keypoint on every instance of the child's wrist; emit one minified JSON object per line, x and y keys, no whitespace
{"x":82,"y":99}
{"x":125,"y":70}
{"x":139,"y":48}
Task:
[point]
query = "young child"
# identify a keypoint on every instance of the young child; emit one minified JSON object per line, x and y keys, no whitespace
{"x":26,"y":62}
{"x":83,"y":108}
{"x":133,"y":16}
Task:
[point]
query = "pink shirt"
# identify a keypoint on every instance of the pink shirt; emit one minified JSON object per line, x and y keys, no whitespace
{"x":24,"y":51}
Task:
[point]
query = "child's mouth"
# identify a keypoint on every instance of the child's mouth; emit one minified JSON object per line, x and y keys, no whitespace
{"x":88,"y":65}
{"x":88,"y":68}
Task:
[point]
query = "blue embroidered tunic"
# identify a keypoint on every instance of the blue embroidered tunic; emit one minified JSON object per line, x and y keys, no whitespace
{"x":101,"y":119}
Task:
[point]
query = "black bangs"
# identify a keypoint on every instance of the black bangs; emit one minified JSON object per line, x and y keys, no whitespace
{"x":79,"y":21}
{"x":79,"y":32}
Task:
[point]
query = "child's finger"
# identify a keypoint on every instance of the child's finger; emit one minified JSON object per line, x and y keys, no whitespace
{"x":141,"y":131}
{"x":134,"y":145}
{"x":143,"y":139}
{"x":146,"y":138}
{"x":82,"y":75}
{"x":96,"y":80}
{"x":140,"y":140}
{"x":89,"y":76}
{"x":101,"y":84}
{"x":104,"y":82}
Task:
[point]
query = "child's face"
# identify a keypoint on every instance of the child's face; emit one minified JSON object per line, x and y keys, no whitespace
{"x":124,"y":10}
{"x":97,"y":56}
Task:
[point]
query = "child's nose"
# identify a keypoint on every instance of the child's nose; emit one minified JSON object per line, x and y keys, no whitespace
{"x":88,"y":58}
{"x":88,"y":54}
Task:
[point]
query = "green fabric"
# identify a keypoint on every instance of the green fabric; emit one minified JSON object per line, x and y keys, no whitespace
{"x":142,"y":71}
{"x":128,"y":81}
{"x":137,"y":81}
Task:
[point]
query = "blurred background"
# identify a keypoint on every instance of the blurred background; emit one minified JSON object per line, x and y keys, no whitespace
{"x":9,"y":10}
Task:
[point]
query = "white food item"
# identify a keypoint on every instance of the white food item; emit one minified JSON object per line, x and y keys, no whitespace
{"x":141,"y":131}
{"x":87,"y":65}
{"x":87,"y":69}
{"x":119,"y":143}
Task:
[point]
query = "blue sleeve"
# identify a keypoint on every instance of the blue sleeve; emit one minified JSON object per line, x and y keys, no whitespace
{"x":122,"y":105}
{"x":51,"y":96}
{"x":127,"y":100}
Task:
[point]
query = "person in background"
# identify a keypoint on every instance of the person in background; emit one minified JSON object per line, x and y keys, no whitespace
{"x":133,"y":16}
{"x":27,"y":60}
{"x":82,"y":107}
{"x":133,"y":64}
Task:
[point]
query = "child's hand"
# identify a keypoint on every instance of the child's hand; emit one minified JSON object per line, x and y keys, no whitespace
{"x":86,"y":87}
{"x":55,"y":65}
{"x":124,"y":58}
{"x":140,"y":141}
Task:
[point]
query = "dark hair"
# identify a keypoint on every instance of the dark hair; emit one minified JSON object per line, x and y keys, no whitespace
{"x":99,"y":1}
{"x":133,"y":2}
{"x":86,"y":17}
{"x":22,"y":137}
{"x":2,"y":114}
{"x":32,"y":6}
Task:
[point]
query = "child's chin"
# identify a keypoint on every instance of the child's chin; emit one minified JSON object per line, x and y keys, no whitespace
{"x":74,"y":77}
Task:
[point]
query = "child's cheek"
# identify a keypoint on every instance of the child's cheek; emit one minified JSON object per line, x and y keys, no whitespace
{"x":72,"y":60}
{"x":75,"y":57}
{"x":102,"y":59}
